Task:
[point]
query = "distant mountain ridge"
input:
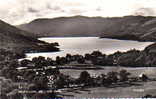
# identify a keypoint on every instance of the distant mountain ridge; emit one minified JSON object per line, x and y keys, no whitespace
{"x":64,"y":26}
{"x":132,"y":28}
{"x":128,"y":27}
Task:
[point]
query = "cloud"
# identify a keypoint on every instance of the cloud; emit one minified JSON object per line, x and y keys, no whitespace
{"x":20,"y":11}
{"x":32,"y":10}
{"x":145,"y":12}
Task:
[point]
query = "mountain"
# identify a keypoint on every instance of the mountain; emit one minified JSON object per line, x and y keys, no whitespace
{"x":65,"y":26}
{"x":133,"y":28}
{"x":17,"y":40}
{"x":128,"y":27}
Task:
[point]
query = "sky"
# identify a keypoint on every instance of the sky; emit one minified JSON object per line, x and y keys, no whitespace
{"x":23,"y":11}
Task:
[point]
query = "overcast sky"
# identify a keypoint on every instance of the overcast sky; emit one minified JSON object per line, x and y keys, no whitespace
{"x":22,"y":11}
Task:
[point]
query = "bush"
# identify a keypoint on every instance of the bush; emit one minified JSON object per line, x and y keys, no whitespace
{"x":123,"y":74}
{"x":112,"y":77}
{"x":85,"y":78}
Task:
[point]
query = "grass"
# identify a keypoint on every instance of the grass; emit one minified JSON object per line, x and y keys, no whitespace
{"x":137,"y":89}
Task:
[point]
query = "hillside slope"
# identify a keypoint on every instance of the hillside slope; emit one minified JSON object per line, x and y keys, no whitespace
{"x":16,"y":39}
{"x":128,"y":27}
{"x":133,"y":28}
{"x":67,"y":26}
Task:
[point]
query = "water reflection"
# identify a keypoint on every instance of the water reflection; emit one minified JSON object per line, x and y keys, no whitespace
{"x":82,"y":45}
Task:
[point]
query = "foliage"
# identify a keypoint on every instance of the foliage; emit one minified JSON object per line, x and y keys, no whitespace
{"x":123,"y":74}
{"x":111,"y":77}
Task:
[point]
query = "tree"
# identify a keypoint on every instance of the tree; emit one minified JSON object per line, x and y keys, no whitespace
{"x":69,"y":57}
{"x":81,"y":60}
{"x":62,"y":81}
{"x":96,"y":53}
{"x":85,"y":78}
{"x":143,"y":77}
{"x":49,"y":62}
{"x":41,"y":82}
{"x":25,"y":62}
{"x":58,"y":60}
{"x":88,"y":56}
{"x":130,"y":58}
{"x":29,"y":75}
{"x":103,"y":77}
{"x":111,"y":77}
{"x":123,"y":74}
{"x":39,"y":61}
{"x":52,"y":71}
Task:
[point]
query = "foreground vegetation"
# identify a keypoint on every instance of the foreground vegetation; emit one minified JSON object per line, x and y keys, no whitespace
{"x":131,"y":58}
{"x":41,"y":77}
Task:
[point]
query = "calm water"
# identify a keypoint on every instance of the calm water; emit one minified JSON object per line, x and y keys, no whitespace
{"x":82,"y":45}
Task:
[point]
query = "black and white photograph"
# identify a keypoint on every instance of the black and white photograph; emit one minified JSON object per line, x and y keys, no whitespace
{"x":77,"y":49}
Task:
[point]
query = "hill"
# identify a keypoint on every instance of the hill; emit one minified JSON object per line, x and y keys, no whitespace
{"x":128,"y":27}
{"x":18,"y":40}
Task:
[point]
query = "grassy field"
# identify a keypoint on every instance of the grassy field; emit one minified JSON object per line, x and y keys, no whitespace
{"x":138,"y":89}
